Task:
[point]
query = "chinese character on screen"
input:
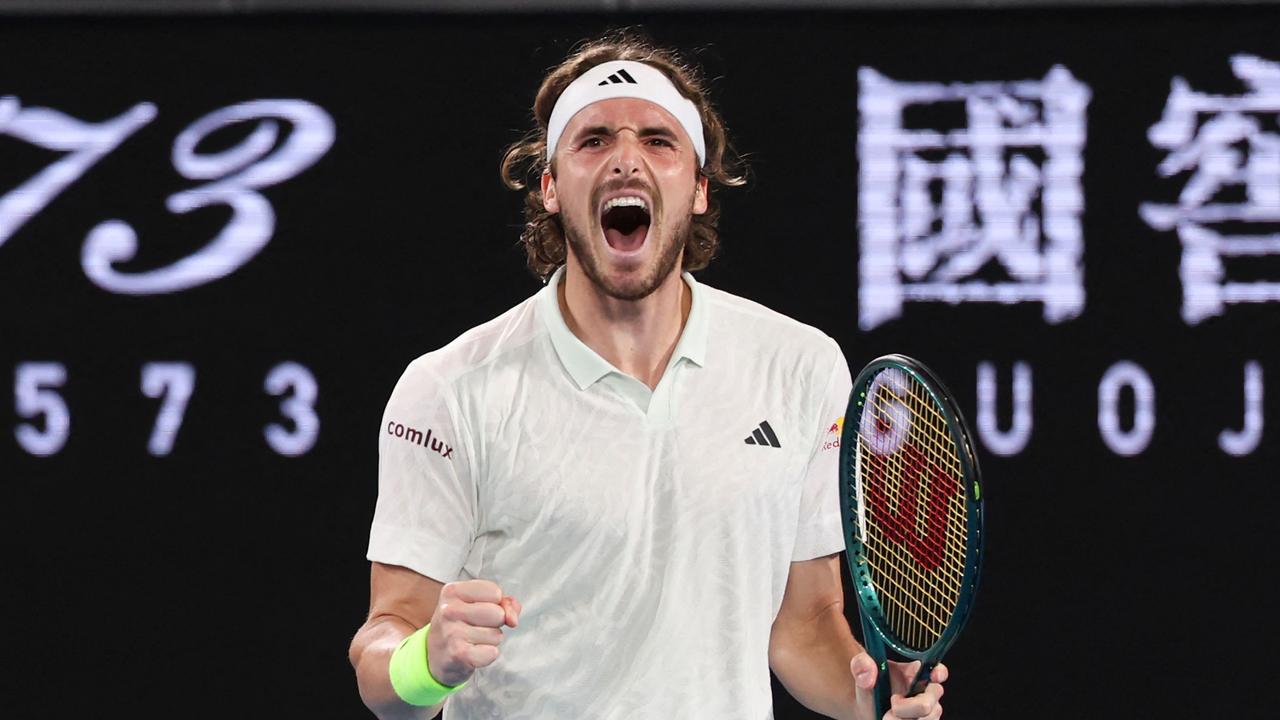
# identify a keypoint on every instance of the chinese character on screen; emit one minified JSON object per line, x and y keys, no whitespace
{"x":1228,"y":148}
{"x":970,"y":193}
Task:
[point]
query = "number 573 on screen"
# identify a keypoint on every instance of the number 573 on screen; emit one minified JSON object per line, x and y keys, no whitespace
{"x":38,"y":399}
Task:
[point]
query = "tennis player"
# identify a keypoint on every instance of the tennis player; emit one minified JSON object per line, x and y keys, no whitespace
{"x":617,"y":499}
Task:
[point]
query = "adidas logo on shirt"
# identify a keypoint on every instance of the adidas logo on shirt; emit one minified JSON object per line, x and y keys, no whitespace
{"x":622,"y":76}
{"x":763,"y":435}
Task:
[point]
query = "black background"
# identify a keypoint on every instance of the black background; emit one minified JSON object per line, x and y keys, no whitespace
{"x":225,"y":579}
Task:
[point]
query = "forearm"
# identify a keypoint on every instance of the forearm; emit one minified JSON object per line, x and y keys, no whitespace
{"x":370,"y":655}
{"x":811,"y":659}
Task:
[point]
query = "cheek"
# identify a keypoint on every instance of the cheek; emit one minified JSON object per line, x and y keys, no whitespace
{"x":579,"y":207}
{"x":677,"y":187}
{"x":574,"y":195}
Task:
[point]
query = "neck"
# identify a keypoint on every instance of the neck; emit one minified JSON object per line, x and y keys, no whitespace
{"x":635,"y":336}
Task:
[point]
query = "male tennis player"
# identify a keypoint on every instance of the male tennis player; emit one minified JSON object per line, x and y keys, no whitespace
{"x":618,"y":499}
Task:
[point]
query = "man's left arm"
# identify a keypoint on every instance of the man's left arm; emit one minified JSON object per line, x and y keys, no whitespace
{"x":814,"y":655}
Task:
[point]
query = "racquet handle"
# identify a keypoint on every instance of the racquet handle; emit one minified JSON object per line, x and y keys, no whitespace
{"x":922,"y":679}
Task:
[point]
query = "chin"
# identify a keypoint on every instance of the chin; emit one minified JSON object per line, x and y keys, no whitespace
{"x":628,"y":288}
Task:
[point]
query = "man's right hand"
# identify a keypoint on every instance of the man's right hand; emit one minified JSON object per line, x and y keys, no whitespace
{"x":467,"y":628}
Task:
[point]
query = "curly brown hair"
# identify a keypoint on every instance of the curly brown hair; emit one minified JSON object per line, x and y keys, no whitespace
{"x":525,"y":161}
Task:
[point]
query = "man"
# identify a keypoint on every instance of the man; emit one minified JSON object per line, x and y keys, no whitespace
{"x":612,"y":501}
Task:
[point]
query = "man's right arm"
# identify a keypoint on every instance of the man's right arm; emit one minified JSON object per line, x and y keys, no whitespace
{"x":466,"y":627}
{"x":400,"y":602}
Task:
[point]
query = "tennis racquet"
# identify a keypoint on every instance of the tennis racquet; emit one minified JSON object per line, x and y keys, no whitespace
{"x":911,"y":502}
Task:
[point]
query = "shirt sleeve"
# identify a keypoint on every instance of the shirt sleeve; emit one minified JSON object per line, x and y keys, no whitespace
{"x":425,"y":515}
{"x":820,"y":531}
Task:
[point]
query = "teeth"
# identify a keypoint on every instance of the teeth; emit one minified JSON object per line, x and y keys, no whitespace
{"x":626,"y":202}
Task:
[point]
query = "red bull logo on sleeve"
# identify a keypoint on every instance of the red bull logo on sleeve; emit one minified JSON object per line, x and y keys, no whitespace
{"x":832,"y":439}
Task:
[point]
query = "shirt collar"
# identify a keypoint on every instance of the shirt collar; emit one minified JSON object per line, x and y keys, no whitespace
{"x":586,"y":367}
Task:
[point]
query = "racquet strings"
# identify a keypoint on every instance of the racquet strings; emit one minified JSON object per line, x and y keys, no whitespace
{"x":915,"y":513}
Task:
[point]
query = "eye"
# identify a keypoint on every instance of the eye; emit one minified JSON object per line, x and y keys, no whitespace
{"x":660,"y":142}
{"x":593,"y":141}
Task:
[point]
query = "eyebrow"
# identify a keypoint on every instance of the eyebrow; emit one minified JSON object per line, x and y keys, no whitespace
{"x":654,"y":131}
{"x":663,"y":132}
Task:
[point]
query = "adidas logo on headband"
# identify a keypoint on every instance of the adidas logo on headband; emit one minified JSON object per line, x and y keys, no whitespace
{"x":619,"y":77}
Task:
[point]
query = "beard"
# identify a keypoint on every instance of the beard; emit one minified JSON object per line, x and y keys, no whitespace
{"x":648,"y":279}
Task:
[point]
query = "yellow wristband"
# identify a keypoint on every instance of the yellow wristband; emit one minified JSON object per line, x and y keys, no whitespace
{"x":411,"y":675}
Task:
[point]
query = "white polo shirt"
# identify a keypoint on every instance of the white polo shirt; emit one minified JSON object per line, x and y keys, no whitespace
{"x":648,"y":534}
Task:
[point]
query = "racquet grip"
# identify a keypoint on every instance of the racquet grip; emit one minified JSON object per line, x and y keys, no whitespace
{"x":883,"y":690}
{"x":922,"y":679}
{"x":871,"y":640}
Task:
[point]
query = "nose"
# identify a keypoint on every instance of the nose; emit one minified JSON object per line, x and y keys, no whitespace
{"x":626,"y":158}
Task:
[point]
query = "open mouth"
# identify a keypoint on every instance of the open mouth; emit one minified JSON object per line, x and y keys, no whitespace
{"x":625,"y":221}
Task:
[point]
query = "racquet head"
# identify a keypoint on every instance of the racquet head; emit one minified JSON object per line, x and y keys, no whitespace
{"x":911,"y":502}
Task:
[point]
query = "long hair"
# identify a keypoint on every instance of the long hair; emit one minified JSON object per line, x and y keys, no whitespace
{"x":524,"y":162}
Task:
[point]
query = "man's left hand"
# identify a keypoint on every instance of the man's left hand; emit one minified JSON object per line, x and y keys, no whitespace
{"x":925,"y":706}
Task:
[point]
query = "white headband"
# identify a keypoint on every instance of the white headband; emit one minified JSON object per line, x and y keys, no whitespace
{"x":625,"y":79}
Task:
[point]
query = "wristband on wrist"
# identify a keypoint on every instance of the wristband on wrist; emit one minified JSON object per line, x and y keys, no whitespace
{"x":411,"y":675}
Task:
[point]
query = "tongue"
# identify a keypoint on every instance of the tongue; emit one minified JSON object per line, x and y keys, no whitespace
{"x":626,"y":242}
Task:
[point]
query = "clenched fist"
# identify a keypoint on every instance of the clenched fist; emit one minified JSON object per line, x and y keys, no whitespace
{"x":466,"y":629}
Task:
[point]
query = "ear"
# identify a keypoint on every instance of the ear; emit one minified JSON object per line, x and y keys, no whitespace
{"x":700,"y":195}
{"x":550,"y":201}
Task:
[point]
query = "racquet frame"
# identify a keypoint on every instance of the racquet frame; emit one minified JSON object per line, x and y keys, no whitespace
{"x":876,"y":634}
